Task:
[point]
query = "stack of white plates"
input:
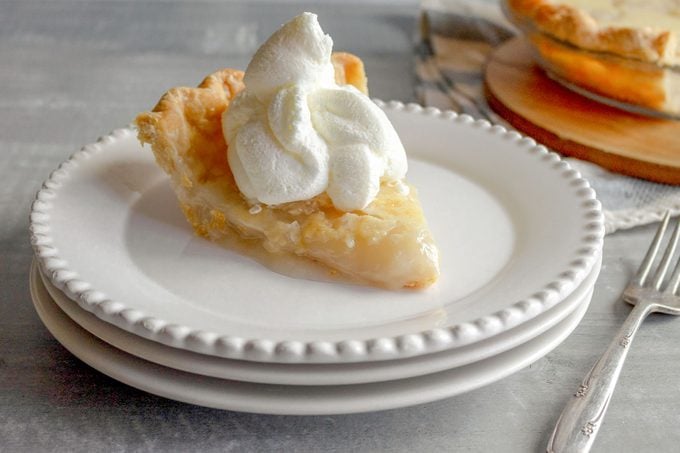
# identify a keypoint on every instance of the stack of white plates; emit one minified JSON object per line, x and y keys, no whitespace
{"x":123,"y":283}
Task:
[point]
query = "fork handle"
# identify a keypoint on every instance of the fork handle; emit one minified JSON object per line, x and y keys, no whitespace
{"x":580,"y":421}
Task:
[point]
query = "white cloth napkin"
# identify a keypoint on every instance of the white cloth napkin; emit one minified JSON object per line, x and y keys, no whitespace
{"x":455,"y":39}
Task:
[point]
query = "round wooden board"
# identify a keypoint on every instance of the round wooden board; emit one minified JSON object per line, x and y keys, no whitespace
{"x":519,"y":91}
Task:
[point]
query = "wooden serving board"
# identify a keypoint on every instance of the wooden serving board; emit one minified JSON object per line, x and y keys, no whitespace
{"x":519,"y":91}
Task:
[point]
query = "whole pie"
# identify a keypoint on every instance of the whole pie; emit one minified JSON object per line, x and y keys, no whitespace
{"x":387,"y":243}
{"x":628,"y":50}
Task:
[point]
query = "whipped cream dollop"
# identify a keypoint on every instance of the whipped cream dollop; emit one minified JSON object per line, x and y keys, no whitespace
{"x":293,"y":133}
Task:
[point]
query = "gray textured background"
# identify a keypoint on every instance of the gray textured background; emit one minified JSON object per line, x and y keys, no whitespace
{"x":73,"y":70}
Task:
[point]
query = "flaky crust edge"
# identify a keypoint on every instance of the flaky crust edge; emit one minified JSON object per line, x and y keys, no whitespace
{"x":577,"y":27}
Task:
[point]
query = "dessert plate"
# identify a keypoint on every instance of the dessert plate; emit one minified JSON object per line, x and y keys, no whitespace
{"x":315,"y":374}
{"x":517,"y":228}
{"x":290,"y":399}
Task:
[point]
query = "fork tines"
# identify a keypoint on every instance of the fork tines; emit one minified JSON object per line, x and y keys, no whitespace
{"x":646,"y":266}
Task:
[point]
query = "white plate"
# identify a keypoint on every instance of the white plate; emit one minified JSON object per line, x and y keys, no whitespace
{"x":517,"y":228}
{"x":290,"y":399}
{"x":316,"y":374}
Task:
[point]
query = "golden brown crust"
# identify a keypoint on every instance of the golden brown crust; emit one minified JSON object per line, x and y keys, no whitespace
{"x":606,"y":77}
{"x":186,"y":125}
{"x":349,"y":70}
{"x":185,"y":134}
{"x":579,"y":28}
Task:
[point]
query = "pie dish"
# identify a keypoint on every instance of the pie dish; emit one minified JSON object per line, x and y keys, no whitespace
{"x":623,"y":51}
{"x":387,"y":244}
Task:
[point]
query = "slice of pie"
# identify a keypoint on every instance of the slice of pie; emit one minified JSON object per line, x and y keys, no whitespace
{"x":626,"y":50}
{"x":386,"y":244}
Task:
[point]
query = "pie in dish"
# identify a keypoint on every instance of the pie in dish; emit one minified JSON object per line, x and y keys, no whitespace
{"x":641,"y":30}
{"x":625,"y":50}
{"x":386,"y":243}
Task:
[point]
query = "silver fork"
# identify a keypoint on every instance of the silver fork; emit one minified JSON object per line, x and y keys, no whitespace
{"x":581,"y":418}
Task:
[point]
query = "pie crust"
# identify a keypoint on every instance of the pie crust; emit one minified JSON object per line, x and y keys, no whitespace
{"x":579,"y":28}
{"x":641,"y":85}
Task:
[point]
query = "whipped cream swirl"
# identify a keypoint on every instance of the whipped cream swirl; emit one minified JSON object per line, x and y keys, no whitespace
{"x":293,"y":133}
